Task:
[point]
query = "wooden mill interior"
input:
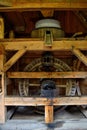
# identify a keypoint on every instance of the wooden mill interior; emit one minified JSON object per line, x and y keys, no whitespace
{"x":43,"y":57}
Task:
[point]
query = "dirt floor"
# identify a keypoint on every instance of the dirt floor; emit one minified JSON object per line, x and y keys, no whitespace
{"x":26,"y":118}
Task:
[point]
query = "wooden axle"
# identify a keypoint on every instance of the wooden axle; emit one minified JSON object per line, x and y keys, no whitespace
{"x":36,"y":85}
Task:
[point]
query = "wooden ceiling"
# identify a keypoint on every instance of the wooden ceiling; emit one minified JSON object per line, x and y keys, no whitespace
{"x":21,"y":15}
{"x":43,"y":4}
{"x":24,"y":22}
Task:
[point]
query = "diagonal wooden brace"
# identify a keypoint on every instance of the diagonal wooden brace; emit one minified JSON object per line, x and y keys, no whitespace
{"x":13,"y":59}
{"x":80,"y":55}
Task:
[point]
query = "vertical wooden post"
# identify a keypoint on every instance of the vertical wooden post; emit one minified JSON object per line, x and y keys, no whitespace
{"x":1,"y":28}
{"x":2,"y":94}
{"x":11,"y":34}
{"x":48,"y":114}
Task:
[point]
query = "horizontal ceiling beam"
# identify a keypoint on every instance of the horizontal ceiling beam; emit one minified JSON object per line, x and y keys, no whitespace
{"x":33,"y":101}
{"x":40,"y":4}
{"x":47,"y":74}
{"x":38,"y":45}
{"x":6,"y":3}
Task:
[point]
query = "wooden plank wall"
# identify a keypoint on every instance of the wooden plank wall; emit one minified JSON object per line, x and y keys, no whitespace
{"x":23,"y":22}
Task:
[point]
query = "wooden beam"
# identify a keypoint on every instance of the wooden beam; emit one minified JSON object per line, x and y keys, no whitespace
{"x":40,"y":101}
{"x":38,"y":44}
{"x":11,"y":112}
{"x":6,"y":2}
{"x":1,"y":28}
{"x":80,"y":55}
{"x":48,"y":114}
{"x":47,"y":12}
{"x":78,"y":65}
{"x":2,"y":52}
{"x":81,"y":17}
{"x":37,"y":85}
{"x":47,"y":74}
{"x":13,"y":59}
{"x":40,"y":4}
{"x":3,"y":111}
{"x":83,"y":111}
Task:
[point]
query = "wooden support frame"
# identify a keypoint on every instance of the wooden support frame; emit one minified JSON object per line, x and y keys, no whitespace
{"x":32,"y":44}
{"x":47,"y":74}
{"x":37,"y":45}
{"x":80,"y":55}
{"x":3,"y":111}
{"x":13,"y":59}
{"x":1,"y":28}
{"x":49,"y":114}
{"x":40,"y":101}
{"x":81,"y":18}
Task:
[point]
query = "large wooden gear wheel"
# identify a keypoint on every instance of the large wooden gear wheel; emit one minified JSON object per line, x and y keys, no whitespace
{"x":36,"y":65}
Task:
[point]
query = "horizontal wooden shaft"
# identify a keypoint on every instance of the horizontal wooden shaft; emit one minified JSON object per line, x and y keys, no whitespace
{"x":38,"y":45}
{"x":38,"y":101}
{"x":23,"y":5}
{"x":36,"y":85}
{"x":47,"y":74}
